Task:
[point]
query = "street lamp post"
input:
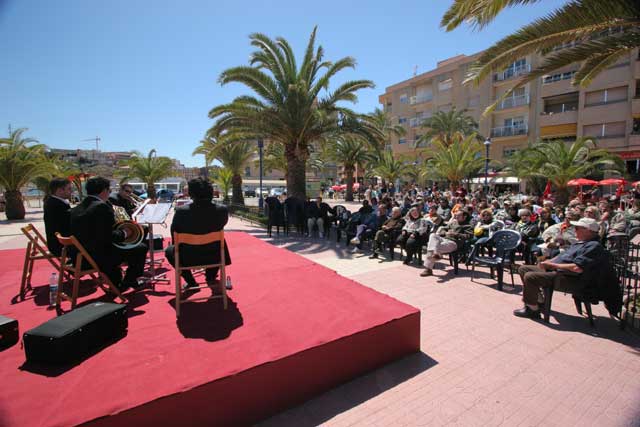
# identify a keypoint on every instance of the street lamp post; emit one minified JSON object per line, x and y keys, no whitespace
{"x":487,"y":145}
{"x":260,"y":201}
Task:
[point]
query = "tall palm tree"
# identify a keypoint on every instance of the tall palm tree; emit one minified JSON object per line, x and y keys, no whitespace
{"x":455,"y":162}
{"x":21,"y":161}
{"x":387,"y":129}
{"x":149,"y":169}
{"x":349,"y":151}
{"x":597,"y":33}
{"x":448,"y":127}
{"x":389,"y":167}
{"x":291,"y":105}
{"x":233,"y":155}
{"x":224,"y":179}
{"x":560,"y":162}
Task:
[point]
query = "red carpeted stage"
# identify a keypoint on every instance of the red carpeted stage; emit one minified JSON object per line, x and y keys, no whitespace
{"x":293,"y":329}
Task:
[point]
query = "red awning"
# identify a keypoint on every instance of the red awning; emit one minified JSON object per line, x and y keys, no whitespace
{"x":581,"y":181}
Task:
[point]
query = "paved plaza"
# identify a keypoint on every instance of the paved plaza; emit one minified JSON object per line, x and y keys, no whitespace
{"x":479,"y":365}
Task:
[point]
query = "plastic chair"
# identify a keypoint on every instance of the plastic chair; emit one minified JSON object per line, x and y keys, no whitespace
{"x":198,"y":240}
{"x":77,"y":271}
{"x":504,"y":242}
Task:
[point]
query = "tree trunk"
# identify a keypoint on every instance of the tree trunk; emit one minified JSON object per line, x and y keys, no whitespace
{"x":348,"y":173}
{"x":237,"y":198}
{"x":151,"y":191}
{"x":296,"y":163}
{"x":14,"y":208}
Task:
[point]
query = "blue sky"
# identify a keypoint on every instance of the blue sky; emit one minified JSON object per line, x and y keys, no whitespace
{"x":143,"y":74}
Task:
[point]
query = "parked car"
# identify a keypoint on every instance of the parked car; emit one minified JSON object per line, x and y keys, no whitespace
{"x":165,"y":195}
{"x":276,"y":191}
{"x":250,"y":192}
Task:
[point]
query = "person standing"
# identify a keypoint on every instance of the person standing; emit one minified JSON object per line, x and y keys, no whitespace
{"x":56,"y":213}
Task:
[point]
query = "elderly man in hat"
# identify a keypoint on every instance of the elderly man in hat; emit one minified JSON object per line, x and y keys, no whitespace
{"x":565,"y":271}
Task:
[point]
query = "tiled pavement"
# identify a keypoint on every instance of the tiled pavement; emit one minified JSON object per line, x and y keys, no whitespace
{"x":479,"y":364}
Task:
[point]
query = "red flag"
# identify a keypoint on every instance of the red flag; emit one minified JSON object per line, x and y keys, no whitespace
{"x":547,"y":191}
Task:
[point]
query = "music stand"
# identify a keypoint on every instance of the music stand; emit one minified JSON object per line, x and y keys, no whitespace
{"x":150,"y":214}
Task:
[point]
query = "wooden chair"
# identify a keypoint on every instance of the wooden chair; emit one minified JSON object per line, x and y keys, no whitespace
{"x":75,"y":270}
{"x":36,"y":250}
{"x":199,"y":239}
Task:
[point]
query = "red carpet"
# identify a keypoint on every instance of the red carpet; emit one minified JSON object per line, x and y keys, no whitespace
{"x":293,"y":329}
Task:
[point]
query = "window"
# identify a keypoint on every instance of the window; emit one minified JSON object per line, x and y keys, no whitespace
{"x":247,"y":171}
{"x":514,"y":122}
{"x":445,"y":84}
{"x":402,"y":120}
{"x":404,"y":98}
{"x":606,"y":130}
{"x":402,"y":141}
{"x":444,"y":108}
{"x":508,"y":152}
{"x":606,"y":96}
{"x":552,"y":78}
{"x":636,"y":126}
{"x":473,"y":102}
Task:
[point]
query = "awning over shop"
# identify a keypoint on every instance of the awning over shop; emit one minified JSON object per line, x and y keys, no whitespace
{"x":569,"y":129}
{"x":629,"y":155}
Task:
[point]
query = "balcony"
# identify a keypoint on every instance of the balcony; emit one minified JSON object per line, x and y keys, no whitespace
{"x":506,"y":131}
{"x":559,"y":115}
{"x":513,"y":101}
{"x":511,"y":73}
{"x":414,"y":100}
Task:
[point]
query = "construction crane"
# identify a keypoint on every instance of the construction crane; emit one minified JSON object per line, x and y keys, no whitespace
{"x":97,"y":141}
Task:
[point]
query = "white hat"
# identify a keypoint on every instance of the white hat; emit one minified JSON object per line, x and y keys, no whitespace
{"x":589,"y":223}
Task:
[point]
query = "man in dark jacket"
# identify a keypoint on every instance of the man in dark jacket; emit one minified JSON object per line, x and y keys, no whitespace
{"x":317,"y":213}
{"x":92,"y":223}
{"x":123,"y":199}
{"x":388,"y":232}
{"x":56,"y":213}
{"x":200,"y":217}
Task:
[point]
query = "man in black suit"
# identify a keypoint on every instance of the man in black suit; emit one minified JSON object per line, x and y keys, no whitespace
{"x":123,"y":199}
{"x":56,"y":213}
{"x":92,"y":223}
{"x":200,"y":217}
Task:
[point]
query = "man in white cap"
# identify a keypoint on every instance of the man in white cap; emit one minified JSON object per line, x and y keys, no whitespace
{"x":565,"y":271}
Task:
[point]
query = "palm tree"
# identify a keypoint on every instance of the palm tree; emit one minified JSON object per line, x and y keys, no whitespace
{"x":382,"y":120}
{"x":149,"y":169}
{"x":560,"y":162}
{"x":348,"y":151}
{"x":457,"y":161}
{"x":291,"y":105}
{"x":448,"y":127}
{"x":596,"y":32}
{"x":225,"y":180}
{"x":233,"y":155}
{"x":390,"y":168}
{"x":21,"y":161}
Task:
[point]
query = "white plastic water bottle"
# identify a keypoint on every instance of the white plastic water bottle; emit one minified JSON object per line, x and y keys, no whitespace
{"x":53,"y":289}
{"x":229,"y":286}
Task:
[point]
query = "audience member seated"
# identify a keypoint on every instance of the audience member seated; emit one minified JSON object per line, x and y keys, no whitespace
{"x":557,"y":238}
{"x":565,"y":271}
{"x":529,"y":232}
{"x":388,"y":232}
{"x":56,"y":213}
{"x":317,"y":213}
{"x":92,"y":223}
{"x":413,"y":234}
{"x":444,"y":210}
{"x":370,"y":224}
{"x":449,"y":238}
{"x":200,"y":217}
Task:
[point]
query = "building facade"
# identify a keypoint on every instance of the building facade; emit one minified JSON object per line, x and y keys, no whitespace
{"x":547,"y":108}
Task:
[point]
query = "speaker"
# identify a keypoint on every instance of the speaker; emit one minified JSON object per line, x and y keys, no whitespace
{"x":75,"y":334}
{"x":8,"y":332}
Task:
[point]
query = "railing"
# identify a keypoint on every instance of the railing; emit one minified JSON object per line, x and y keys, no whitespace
{"x":559,"y":108}
{"x":420,"y":99}
{"x":502,"y":131}
{"x":513,"y":101}
{"x":513,"y":72}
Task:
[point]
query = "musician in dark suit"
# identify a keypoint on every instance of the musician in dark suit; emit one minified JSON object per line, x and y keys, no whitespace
{"x":56,"y":213}
{"x":92,"y":223}
{"x":123,"y":199}
{"x":200,"y":217}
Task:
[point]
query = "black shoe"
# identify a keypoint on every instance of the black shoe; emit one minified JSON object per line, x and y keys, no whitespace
{"x":407,"y":261}
{"x":527,"y":313}
{"x":374,"y":255}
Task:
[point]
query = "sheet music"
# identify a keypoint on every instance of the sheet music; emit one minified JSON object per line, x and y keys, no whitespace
{"x":154,"y":213}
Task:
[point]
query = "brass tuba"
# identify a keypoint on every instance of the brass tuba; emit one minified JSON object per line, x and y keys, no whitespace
{"x":135,"y":232}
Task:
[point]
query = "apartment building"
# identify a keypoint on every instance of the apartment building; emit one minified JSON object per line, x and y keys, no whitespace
{"x":547,"y":108}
